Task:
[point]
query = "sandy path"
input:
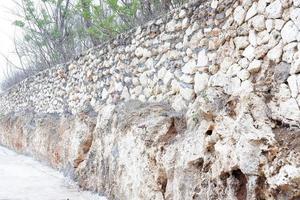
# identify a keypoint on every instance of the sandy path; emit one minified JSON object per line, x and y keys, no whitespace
{"x":22,"y":178}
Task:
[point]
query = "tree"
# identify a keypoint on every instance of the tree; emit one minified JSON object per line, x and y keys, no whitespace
{"x":55,"y":31}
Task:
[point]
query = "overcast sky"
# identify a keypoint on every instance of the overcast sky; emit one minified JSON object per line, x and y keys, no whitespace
{"x":7,"y":32}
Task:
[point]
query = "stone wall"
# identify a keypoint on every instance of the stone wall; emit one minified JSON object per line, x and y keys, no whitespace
{"x":230,"y":69}
{"x":237,"y":47}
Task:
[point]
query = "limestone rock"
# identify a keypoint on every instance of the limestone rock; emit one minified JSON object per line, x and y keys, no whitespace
{"x":258,"y":22}
{"x":275,"y":53}
{"x":249,"y":52}
{"x":214,"y":4}
{"x":186,"y":92}
{"x":168,"y":77}
{"x":290,"y":109}
{"x":254,"y":66}
{"x":202,"y":58}
{"x":170,"y":27}
{"x":252,"y":11}
{"x":292,"y":81}
{"x":295,"y":16}
{"x":252,"y":38}
{"x":241,"y":42}
{"x":201,"y":82}
{"x":274,"y":10}
{"x":295,"y":67}
{"x":239,"y":14}
{"x":190,"y":67}
{"x":261,"y":6}
{"x":243,"y":74}
{"x":142,"y":52}
{"x":289,"y":32}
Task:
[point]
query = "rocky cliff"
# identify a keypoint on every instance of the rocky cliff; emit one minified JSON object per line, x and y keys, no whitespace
{"x":200,"y":104}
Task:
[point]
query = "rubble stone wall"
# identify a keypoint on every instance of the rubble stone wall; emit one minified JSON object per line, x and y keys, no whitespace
{"x":220,"y":118}
{"x":237,"y":47}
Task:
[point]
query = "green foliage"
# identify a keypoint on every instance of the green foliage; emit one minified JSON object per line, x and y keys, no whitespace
{"x":19,"y":23}
{"x":57,"y":30}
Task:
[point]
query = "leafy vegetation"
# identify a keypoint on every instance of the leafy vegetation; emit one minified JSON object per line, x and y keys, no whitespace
{"x":54,"y":31}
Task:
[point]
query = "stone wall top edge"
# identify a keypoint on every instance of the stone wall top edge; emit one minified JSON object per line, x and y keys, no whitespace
{"x":106,"y":44}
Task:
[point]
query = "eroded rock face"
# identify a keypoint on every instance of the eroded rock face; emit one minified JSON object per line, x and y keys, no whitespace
{"x":137,"y":150}
{"x":228,"y":73}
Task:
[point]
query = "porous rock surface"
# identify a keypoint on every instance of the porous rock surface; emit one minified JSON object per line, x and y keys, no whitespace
{"x":138,"y":150}
{"x":200,"y":104}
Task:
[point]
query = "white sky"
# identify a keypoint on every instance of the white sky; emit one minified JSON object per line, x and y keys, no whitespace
{"x":7,"y":31}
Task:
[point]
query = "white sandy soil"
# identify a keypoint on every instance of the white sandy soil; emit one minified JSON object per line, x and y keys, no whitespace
{"x":23,"y":178}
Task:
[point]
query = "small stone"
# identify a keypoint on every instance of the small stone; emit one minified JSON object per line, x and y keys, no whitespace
{"x":187,"y":93}
{"x":201,"y":82}
{"x":289,"y":32}
{"x":179,"y":45}
{"x":288,"y":52}
{"x":274,"y":10}
{"x":254,"y":66}
{"x":213,"y":69}
{"x":249,"y":52}
{"x":144,"y":79}
{"x":202,"y":59}
{"x":185,"y":23}
{"x":281,"y":72}
{"x":295,"y":16}
{"x":233,"y":87}
{"x":275,"y":37}
{"x":175,"y":86}
{"x":252,"y":11}
{"x":243,"y":63}
{"x":290,"y":109}
{"x":142,"y":52}
{"x":119,"y":86}
{"x":170,"y":27}
{"x":225,"y":64}
{"x":261,"y":6}
{"x":104,"y":93}
{"x":295,"y":66}
{"x":135,"y":81}
{"x":179,"y":103}
{"x":246,"y":88}
{"x":189,"y":52}
{"x":186,"y":78}
{"x":292,"y":82}
{"x":142,"y":98}
{"x":195,"y":39}
{"x":218,"y":80}
{"x":269,"y":25}
{"x":243,"y":74}
{"x":296,"y":3}
{"x":278,"y":24}
{"x":275,"y":53}
{"x":182,"y":14}
{"x":263,"y":37}
{"x":252,"y":38}
{"x":284,"y":92}
{"x":241,"y":42}
{"x":246,"y":3}
{"x":190,"y":67}
{"x":161,"y":73}
{"x":71,"y":67}
{"x":125,"y":93}
{"x":239,"y":15}
{"x":167,"y":77}
{"x":258,"y":22}
{"x":214,"y":4}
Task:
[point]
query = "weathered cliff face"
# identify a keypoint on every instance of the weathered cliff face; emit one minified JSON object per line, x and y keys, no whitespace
{"x":228,"y":73}
{"x":150,"y":151}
